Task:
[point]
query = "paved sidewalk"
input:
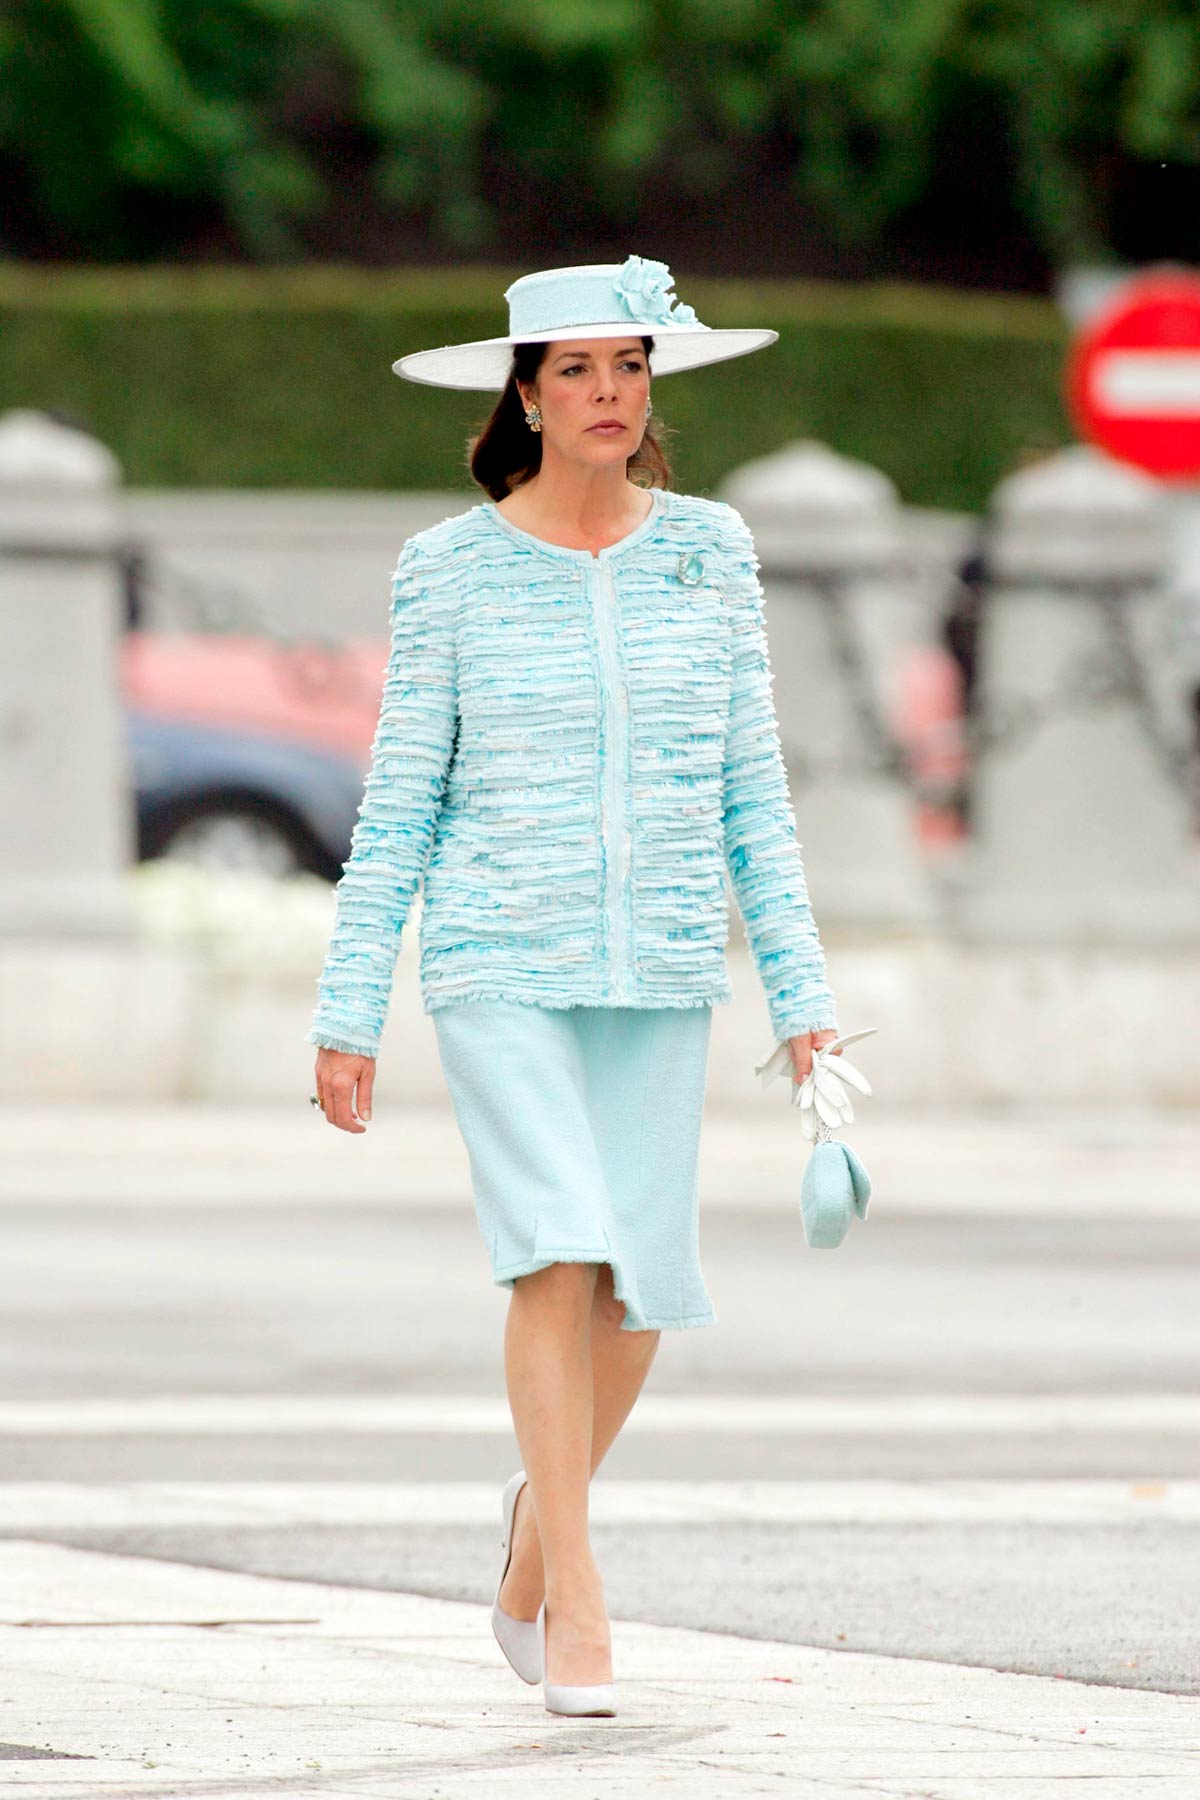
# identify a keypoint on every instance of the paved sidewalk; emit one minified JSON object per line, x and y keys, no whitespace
{"x":1029,"y":1161}
{"x":131,"y":1677}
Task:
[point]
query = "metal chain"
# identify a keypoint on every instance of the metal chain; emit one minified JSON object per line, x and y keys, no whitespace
{"x":315,"y":668}
{"x":1112,"y":675}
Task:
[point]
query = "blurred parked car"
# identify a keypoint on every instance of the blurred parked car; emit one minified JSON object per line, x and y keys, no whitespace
{"x":249,"y":753}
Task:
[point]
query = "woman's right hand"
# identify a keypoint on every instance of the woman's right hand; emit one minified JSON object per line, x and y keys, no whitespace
{"x":338,"y":1074}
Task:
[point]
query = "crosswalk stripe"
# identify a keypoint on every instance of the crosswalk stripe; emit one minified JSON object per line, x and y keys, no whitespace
{"x":458,"y":1415}
{"x":41,"y":1507}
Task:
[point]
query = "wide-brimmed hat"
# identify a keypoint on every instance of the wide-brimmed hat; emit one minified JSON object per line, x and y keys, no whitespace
{"x":588,"y":300}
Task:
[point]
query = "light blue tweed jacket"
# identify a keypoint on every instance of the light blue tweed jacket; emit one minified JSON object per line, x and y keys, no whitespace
{"x":573,"y":750}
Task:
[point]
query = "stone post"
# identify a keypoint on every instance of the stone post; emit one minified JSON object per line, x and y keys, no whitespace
{"x":829,"y":535}
{"x":66,"y":812}
{"x":1080,"y":835}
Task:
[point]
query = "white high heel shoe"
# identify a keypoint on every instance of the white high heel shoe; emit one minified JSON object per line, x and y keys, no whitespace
{"x":518,"y":1638}
{"x":594,"y":1698}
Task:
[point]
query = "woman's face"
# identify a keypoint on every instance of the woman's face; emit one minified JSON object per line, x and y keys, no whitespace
{"x":580,"y":384}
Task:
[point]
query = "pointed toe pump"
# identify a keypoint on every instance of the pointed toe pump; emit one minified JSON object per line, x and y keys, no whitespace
{"x":518,"y":1638}
{"x":594,"y":1699}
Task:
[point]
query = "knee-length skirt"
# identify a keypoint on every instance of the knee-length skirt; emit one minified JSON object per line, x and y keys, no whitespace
{"x":582,"y":1126}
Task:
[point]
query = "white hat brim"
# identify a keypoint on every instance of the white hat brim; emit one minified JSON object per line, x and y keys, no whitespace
{"x":485,"y":362}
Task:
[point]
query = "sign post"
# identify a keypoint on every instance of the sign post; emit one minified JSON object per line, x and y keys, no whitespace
{"x":1133,"y":388}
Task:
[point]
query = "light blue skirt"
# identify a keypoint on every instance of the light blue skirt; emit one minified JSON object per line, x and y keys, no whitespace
{"x":582,"y":1124}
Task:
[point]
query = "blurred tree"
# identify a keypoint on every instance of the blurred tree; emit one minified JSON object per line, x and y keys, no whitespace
{"x":125,"y":124}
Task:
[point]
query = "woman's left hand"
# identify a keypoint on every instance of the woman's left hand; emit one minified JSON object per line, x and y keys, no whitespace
{"x":802,"y":1048}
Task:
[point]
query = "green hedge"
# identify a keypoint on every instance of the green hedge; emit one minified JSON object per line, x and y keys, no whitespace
{"x":237,"y":377}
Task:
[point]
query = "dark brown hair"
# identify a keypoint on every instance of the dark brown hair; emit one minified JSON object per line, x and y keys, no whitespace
{"x":505,"y":453}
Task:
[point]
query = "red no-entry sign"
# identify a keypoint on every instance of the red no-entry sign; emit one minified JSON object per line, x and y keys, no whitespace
{"x":1133,"y":375}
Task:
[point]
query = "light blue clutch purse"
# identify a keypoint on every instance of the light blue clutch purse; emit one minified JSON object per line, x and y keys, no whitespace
{"x":836,"y":1187}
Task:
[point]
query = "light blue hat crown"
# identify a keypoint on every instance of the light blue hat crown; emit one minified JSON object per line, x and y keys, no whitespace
{"x":639,"y":290}
{"x":594,"y":300}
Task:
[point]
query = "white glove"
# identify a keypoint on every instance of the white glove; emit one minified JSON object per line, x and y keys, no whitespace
{"x":822,"y":1096}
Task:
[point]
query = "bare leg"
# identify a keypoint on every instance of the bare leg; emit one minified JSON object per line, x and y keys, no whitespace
{"x":573,"y":1376}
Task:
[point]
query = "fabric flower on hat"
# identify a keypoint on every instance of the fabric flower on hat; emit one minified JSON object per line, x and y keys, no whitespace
{"x":645,"y":286}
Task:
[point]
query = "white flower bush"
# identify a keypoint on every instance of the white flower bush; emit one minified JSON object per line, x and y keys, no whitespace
{"x":235,"y":918}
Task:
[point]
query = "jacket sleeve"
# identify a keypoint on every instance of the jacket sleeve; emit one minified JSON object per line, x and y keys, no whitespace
{"x":393,"y":834}
{"x":762,"y":852}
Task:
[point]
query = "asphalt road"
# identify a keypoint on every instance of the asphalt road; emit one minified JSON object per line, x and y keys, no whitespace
{"x":965,"y":1435}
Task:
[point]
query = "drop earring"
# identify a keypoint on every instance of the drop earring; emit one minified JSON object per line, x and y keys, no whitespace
{"x":533,"y":418}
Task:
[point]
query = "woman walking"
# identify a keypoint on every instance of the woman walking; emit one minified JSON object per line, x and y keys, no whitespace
{"x":577,"y":742}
